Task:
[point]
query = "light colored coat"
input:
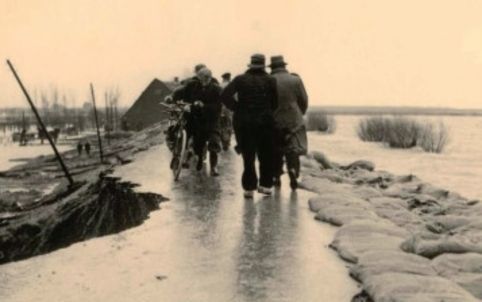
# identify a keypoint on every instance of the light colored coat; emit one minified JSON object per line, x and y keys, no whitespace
{"x":292,"y":100}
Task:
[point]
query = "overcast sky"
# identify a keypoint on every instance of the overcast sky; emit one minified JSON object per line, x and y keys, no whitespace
{"x":348,"y":52}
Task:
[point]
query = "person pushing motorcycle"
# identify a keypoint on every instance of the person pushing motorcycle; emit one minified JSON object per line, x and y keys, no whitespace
{"x":202,"y":92}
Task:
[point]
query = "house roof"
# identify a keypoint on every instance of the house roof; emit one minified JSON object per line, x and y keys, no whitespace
{"x":146,"y":109}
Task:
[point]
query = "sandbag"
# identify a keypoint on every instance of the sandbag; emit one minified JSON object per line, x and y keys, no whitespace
{"x":309,"y":163}
{"x":319,"y":185}
{"x":322,"y":159}
{"x":449,"y":264}
{"x":395,"y":210}
{"x":339,"y":214}
{"x":463,"y":269}
{"x":327,"y":199}
{"x":361,"y":164}
{"x":332,"y":175}
{"x":406,"y":178}
{"x":361,"y":236}
{"x":433,"y":191}
{"x":432,"y":247}
{"x":400,"y":217}
{"x":388,"y":201}
{"x":366,"y":193}
{"x":380,"y":262}
{"x":402,"y":190}
{"x":402,"y":287}
{"x":446,"y":223}
{"x":471,"y":282}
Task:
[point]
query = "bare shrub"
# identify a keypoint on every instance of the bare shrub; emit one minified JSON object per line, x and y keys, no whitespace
{"x":372,"y":129}
{"x":433,"y":138}
{"x":402,"y":132}
{"x":320,"y":121}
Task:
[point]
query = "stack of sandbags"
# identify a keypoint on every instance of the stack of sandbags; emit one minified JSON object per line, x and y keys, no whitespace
{"x":398,"y":276}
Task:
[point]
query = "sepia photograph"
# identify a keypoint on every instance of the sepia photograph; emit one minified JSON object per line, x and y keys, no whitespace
{"x":228,"y":150}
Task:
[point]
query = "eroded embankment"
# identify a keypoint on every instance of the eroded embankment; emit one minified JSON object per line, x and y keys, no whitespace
{"x":107,"y":206}
{"x":405,"y":240}
{"x":39,"y":213}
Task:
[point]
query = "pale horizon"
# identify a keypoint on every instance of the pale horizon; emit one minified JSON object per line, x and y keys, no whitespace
{"x":349,"y":53}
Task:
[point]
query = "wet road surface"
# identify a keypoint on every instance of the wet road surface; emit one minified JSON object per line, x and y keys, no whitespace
{"x":206,"y":244}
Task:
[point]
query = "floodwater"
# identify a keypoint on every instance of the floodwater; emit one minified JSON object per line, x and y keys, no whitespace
{"x":206,"y":244}
{"x":11,"y":152}
{"x":457,"y":168}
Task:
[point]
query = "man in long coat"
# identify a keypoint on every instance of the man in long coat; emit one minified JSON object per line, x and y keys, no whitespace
{"x":290,"y":131}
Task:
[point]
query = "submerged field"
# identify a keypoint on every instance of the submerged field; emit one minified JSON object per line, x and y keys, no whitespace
{"x":458,"y":168}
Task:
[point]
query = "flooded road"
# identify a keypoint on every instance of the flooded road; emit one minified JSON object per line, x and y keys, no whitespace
{"x":206,"y":244}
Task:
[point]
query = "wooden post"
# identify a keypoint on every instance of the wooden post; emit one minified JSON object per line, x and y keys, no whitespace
{"x":107,"y":124}
{"x":57,"y":155}
{"x":97,"y":124}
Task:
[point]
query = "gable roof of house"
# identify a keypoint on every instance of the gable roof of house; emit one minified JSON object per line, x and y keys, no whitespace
{"x":146,"y":109}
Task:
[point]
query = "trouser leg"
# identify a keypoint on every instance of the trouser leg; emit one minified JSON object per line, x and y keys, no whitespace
{"x":199,"y":142}
{"x":237,"y":136}
{"x":265,"y":157}
{"x":213,"y":159}
{"x":277,"y":154}
{"x":293,"y":162}
{"x":249,"y":179}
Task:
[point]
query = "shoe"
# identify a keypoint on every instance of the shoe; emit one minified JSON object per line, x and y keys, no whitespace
{"x":214,"y":172}
{"x":174,"y":163}
{"x":248,"y":194}
{"x":264,"y":190}
{"x":293,"y":180}
{"x":199,"y":165}
{"x":237,"y":148}
{"x":277,"y":182}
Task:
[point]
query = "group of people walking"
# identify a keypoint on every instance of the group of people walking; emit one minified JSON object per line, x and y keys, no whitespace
{"x":83,"y":146}
{"x":266,"y":112}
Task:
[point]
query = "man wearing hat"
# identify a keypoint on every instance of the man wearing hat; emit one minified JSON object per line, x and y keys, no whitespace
{"x":290,"y":131}
{"x":253,"y":123}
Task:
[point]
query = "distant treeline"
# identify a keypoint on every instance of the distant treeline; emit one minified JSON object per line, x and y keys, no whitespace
{"x":375,"y":110}
{"x":57,"y":116}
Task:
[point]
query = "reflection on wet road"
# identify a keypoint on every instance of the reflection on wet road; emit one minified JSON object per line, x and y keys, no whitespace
{"x":206,"y":244}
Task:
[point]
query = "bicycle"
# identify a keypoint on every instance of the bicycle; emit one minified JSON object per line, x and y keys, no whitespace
{"x":176,"y":135}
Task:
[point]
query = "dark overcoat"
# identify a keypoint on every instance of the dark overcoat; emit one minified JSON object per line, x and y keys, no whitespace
{"x":255,"y":101}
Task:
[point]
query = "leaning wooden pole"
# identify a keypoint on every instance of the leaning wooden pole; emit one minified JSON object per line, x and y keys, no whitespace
{"x":106,"y":123}
{"x":57,"y":154}
{"x":97,"y":124}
